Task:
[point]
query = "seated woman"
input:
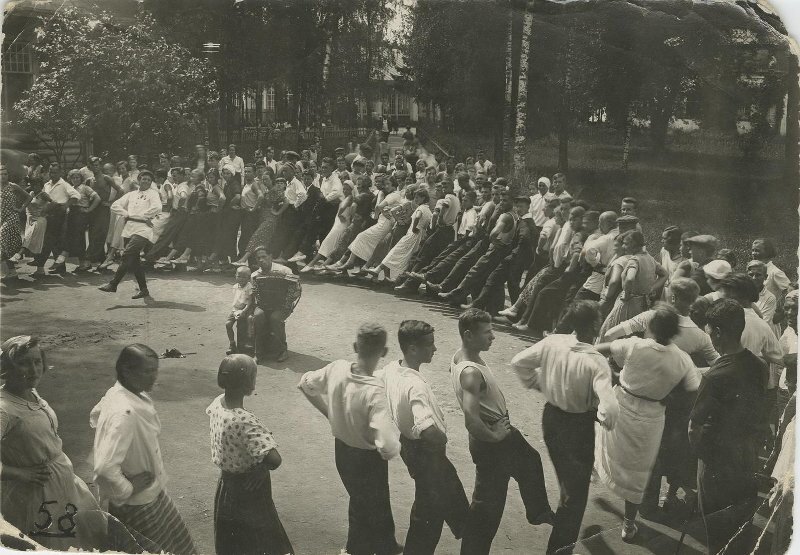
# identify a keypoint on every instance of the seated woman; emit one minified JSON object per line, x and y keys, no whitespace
{"x":364,"y":245}
{"x":37,"y":476}
{"x":398,"y":258}
{"x":343,"y":218}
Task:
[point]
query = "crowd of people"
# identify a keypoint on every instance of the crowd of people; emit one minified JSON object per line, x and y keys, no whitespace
{"x":685,"y":359}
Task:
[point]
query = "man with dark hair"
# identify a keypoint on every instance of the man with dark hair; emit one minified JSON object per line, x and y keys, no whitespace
{"x":269,"y":326}
{"x":575,"y":380}
{"x":725,"y":425}
{"x":138,"y":208}
{"x":62,"y":196}
{"x":457,"y":285}
{"x":354,"y":402}
{"x":509,"y":270}
{"x":497,"y":448}
{"x":128,"y":465}
{"x":439,"y":494}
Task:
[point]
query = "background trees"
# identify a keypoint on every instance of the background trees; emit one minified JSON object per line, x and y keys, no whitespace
{"x":633,"y":66}
{"x":125,"y":86}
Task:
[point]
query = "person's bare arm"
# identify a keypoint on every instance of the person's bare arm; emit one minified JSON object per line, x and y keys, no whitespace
{"x":472,"y":382}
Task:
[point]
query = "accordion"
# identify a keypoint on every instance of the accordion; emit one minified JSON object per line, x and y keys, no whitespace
{"x":276,"y":291}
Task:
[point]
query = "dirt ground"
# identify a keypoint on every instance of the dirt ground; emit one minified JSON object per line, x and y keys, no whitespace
{"x":84,"y":329}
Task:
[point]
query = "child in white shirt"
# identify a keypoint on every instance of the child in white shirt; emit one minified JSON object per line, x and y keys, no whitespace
{"x":242,"y":306}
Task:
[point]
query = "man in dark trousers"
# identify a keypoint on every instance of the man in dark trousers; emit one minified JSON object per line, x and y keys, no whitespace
{"x":498,"y":449}
{"x":575,"y":380}
{"x":439,"y":494}
{"x":500,"y":244}
{"x":725,"y":427}
{"x":492,"y":296}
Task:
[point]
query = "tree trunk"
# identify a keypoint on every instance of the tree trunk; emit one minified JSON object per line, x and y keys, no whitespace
{"x":563,"y":141}
{"x":792,"y":147}
{"x":626,"y":144}
{"x":508,"y":108}
{"x":520,"y":143}
{"x":659,"y":120}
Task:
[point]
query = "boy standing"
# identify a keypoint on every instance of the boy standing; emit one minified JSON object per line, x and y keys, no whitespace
{"x":242,"y":307}
{"x":354,"y":402}
{"x":498,"y":449}
{"x":439,"y":496}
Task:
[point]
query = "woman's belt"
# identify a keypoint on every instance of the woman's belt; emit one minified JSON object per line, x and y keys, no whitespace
{"x":642,"y":397}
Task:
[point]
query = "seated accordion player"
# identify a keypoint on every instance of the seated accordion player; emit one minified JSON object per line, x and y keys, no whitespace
{"x":276,"y":291}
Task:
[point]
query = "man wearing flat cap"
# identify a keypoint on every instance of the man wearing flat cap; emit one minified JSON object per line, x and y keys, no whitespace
{"x":702,"y":249}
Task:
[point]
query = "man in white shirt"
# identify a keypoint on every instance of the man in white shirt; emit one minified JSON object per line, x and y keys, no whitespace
{"x":270,"y":326}
{"x":232,"y":159}
{"x":439,"y":496}
{"x":560,"y":186}
{"x":332,"y":194}
{"x":128,"y":468}
{"x":62,"y":196}
{"x":291,"y":218}
{"x":597,"y":252}
{"x":575,"y":380}
{"x":354,"y":402}
{"x":138,"y":208}
{"x":482,"y":165}
{"x":269,"y":159}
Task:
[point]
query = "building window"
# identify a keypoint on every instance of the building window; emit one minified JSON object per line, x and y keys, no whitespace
{"x":403,"y":104}
{"x":269,"y":99}
{"x":18,"y":58}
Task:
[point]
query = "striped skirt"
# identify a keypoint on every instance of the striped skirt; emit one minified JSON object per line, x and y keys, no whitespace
{"x":157,"y":527}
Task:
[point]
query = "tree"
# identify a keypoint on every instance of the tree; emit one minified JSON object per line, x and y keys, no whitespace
{"x":520,"y":146}
{"x":126,"y":86}
{"x":508,"y":107}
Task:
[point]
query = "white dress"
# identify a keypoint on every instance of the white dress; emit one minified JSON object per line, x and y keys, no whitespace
{"x":400,"y":255}
{"x":328,"y":244}
{"x":365,"y":243}
{"x":625,"y":455}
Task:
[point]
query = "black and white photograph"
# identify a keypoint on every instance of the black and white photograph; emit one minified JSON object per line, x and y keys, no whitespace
{"x":383,"y":277}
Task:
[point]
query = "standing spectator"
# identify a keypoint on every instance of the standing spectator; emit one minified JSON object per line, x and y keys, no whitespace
{"x":37,"y":476}
{"x":231,"y":158}
{"x":724,"y":427}
{"x":78,"y":220}
{"x":10,"y":223}
{"x":128,"y":468}
{"x":245,"y":518}
{"x":62,"y":196}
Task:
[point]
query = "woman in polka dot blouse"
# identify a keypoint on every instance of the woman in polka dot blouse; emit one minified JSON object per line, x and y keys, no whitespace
{"x":245,"y":518}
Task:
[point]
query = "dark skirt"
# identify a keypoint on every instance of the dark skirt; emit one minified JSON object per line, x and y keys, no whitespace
{"x":197,"y":233}
{"x":228,"y":229}
{"x":77,"y":224}
{"x":246,"y":522}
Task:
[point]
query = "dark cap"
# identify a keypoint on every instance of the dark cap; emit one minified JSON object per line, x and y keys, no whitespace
{"x":627,"y":219}
{"x":526,"y":200}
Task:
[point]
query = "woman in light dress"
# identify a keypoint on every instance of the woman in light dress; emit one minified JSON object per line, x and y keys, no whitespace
{"x":399,"y":256}
{"x":364,"y":245}
{"x":638,"y":277}
{"x":651,"y":368}
{"x":41,"y":495}
{"x":343,"y":218}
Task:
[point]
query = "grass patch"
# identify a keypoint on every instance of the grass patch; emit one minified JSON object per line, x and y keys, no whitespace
{"x":734,"y":199}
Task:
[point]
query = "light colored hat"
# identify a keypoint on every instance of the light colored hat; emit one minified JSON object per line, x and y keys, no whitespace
{"x":717,"y":269}
{"x":545,"y":180}
{"x":708,"y":241}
